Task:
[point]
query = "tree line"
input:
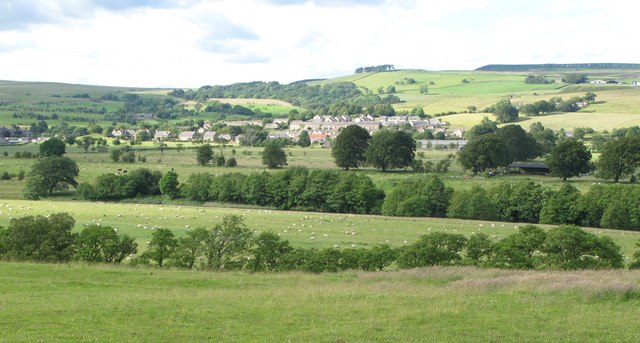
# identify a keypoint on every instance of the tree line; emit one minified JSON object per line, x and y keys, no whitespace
{"x":608,"y":206}
{"x":231,"y":245}
{"x":375,"y":69}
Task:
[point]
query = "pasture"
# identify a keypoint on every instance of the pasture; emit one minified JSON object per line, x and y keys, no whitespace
{"x":93,"y":164}
{"x":302,"y":229}
{"x":74,"y":302}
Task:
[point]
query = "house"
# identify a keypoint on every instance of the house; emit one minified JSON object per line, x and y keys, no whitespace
{"x":4,"y":140}
{"x":635,"y":83}
{"x":186,"y":136}
{"x":318,"y":137}
{"x":210,"y":136}
{"x":161,"y":135}
{"x":457,"y":133}
{"x":226,"y":137}
{"x":598,"y":82}
{"x":271,"y":126}
{"x":124,"y":133}
{"x":537,"y":168}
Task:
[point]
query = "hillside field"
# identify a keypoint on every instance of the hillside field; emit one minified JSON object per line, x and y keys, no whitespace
{"x":615,"y":107}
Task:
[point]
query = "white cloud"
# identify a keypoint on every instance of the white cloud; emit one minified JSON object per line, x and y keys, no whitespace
{"x":192,"y":43}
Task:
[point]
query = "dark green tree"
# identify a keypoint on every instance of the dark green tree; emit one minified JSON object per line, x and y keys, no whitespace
{"x":269,"y":251}
{"x":377,"y":258}
{"x":86,"y":142}
{"x":569,"y":158}
{"x":504,"y":111}
{"x":103,"y":244}
{"x":349,"y":147}
{"x":484,"y":152}
{"x":574,"y":78}
{"x":273,"y":156}
{"x":436,"y":248}
{"x":303,"y":139}
{"x":52,"y":147}
{"x":390,"y":150}
{"x":522,"y":146}
{"x":39,"y":238}
{"x":479,"y":248}
{"x":228,"y":244}
{"x":562,"y":207}
{"x":204,"y":154}
{"x":54,"y":173}
{"x":197,"y":186}
{"x":189,"y":248}
{"x":169,"y":185}
{"x":569,"y":247}
{"x":486,"y":126}
{"x":546,"y":138}
{"x":161,"y":246}
{"x":619,"y":158}
{"x":473,"y":204}
{"x":516,"y":251}
{"x":115,"y":155}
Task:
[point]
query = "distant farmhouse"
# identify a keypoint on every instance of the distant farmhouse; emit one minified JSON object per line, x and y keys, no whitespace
{"x":605,"y":82}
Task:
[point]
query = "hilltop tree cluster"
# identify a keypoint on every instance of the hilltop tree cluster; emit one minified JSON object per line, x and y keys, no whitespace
{"x":375,"y":69}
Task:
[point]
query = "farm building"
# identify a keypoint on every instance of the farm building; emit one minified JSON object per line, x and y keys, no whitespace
{"x":210,"y":136}
{"x":161,"y":135}
{"x":537,"y":168}
{"x":186,"y":135}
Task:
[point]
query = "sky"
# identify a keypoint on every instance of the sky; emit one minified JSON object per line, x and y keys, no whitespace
{"x":191,"y":43}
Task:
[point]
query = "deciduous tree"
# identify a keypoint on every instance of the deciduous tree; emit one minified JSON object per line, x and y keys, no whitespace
{"x":569,"y":158}
{"x":348,"y":149}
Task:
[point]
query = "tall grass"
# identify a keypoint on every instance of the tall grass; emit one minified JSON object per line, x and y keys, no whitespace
{"x":89,"y":303}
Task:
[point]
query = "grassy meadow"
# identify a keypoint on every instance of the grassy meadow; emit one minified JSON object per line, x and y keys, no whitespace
{"x":62,"y":303}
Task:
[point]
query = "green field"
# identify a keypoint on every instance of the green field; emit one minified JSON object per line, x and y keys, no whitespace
{"x":62,"y":303}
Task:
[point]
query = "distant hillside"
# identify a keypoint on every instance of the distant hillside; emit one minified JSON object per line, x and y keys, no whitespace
{"x":552,"y":66}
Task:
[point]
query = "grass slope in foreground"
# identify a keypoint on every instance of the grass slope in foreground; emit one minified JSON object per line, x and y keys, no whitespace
{"x":91,"y":303}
